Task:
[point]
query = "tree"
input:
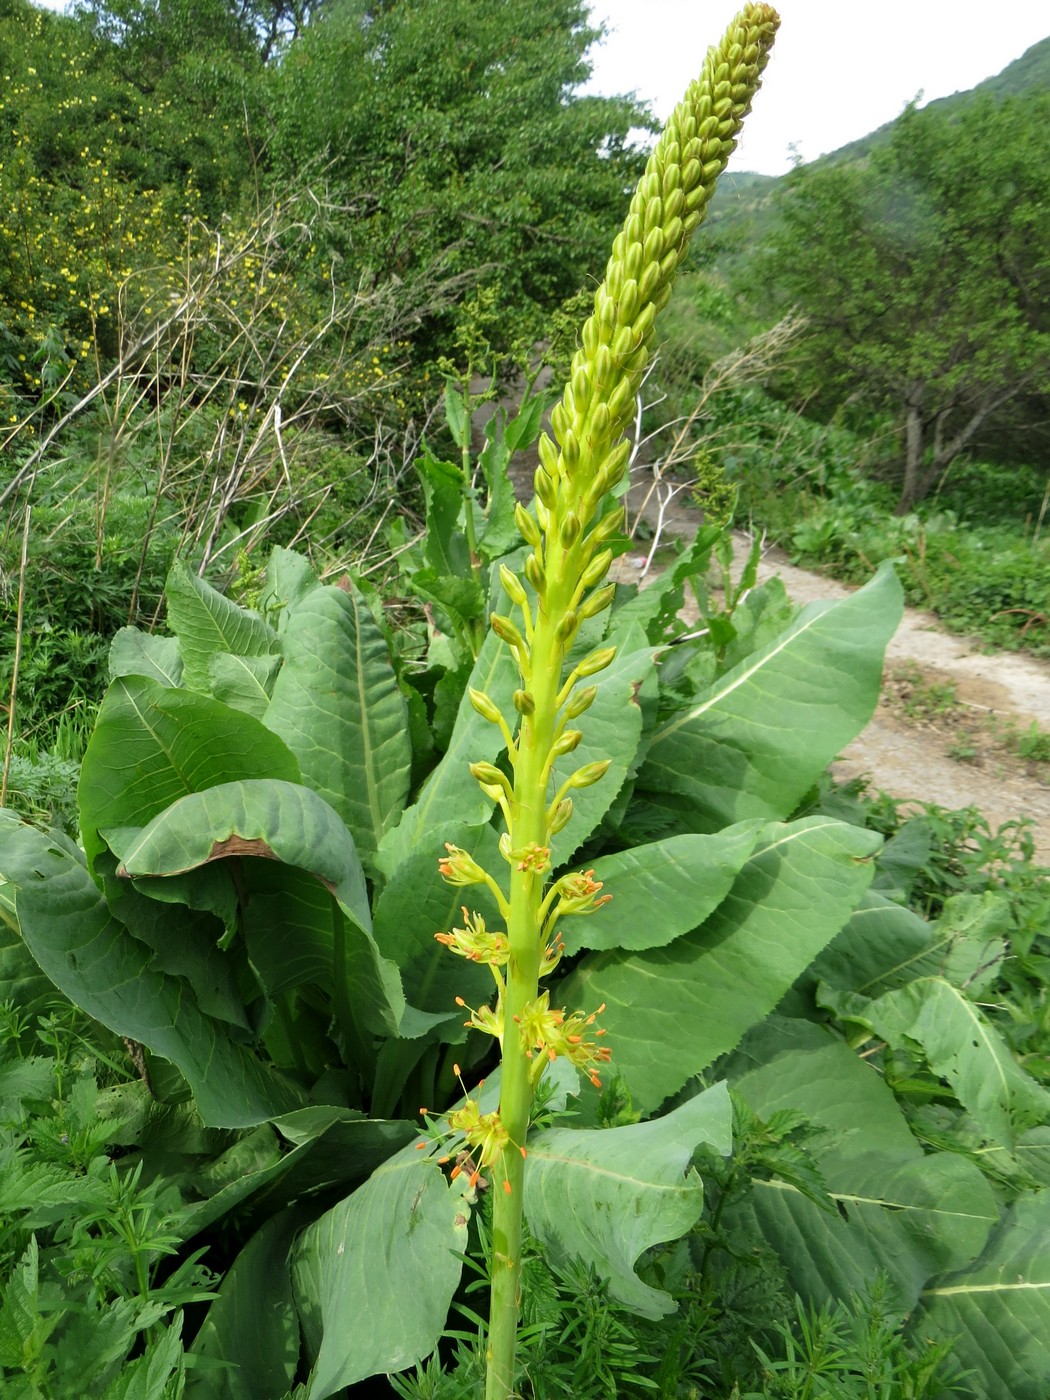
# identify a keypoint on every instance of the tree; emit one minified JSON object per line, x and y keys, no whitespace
{"x":453,"y":135}
{"x":925,"y":277}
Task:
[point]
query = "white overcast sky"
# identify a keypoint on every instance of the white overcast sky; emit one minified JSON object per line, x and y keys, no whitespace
{"x":840,"y":68}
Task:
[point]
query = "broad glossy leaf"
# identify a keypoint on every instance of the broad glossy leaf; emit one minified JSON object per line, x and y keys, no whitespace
{"x":289,"y":578}
{"x":243,"y":682}
{"x":605,"y":1196}
{"x":997,"y":1313}
{"x":444,"y":544}
{"x":292,"y":824}
{"x":670,"y":1011}
{"x":450,"y":796}
{"x":374,"y":1277}
{"x":882,"y":945}
{"x":662,"y":890}
{"x":90,"y":957}
{"x":900,"y":1212}
{"x":763,"y":734}
{"x":962,"y":1046}
{"x":153,"y":745}
{"x":21,"y":981}
{"x":258,"y":1361}
{"x":333,"y":1149}
{"x":136,"y":653}
{"x":206,"y":621}
{"x":611,"y":729}
{"x":417,"y":903}
{"x":463,"y":599}
{"x":337,"y":706}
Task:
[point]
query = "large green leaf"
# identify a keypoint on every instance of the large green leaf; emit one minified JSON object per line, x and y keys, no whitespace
{"x":899,"y":1211}
{"x":417,"y":903}
{"x":337,"y":706}
{"x":89,"y":956}
{"x":292,"y":824}
{"x":243,"y":682}
{"x":611,"y":730}
{"x":289,"y":578}
{"x":257,"y":1362}
{"x":670,"y":1011}
{"x":136,"y":653}
{"x":605,"y":1196}
{"x":450,"y":795}
{"x":763,"y":734}
{"x":374,"y":1277}
{"x":153,"y":744}
{"x":997,"y":1313}
{"x":206,"y":621}
{"x":662,"y":890}
{"x":883,"y":944}
{"x":962,"y":1045}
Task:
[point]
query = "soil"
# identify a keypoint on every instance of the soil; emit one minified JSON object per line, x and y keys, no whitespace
{"x":953,"y":721}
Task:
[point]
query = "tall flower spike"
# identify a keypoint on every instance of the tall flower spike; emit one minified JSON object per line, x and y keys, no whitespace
{"x":670,"y":202}
{"x":568,"y":535}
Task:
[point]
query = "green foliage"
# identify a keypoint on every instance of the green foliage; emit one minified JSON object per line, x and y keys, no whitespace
{"x":176,"y":932}
{"x":464,"y":155}
{"x":925,"y":291}
{"x":90,"y":1296}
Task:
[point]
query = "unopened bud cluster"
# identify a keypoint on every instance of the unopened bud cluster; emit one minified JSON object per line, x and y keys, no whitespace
{"x":570,"y":530}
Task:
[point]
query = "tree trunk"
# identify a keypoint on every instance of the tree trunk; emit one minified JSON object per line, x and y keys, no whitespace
{"x":915,"y":442}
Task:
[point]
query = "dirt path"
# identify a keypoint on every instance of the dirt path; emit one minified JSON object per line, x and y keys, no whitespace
{"x":949,"y":720}
{"x":947,"y":724}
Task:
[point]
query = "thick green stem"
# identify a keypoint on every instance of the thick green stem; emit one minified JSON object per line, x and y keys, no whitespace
{"x":526,"y":947}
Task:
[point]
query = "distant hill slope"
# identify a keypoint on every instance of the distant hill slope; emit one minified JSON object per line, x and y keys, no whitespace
{"x":740,"y":211}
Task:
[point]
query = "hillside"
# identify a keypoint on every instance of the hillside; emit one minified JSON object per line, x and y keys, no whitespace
{"x":741,"y":210}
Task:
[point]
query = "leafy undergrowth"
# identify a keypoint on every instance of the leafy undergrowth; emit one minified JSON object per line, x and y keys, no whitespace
{"x":976,"y":553}
{"x":879,"y":1020}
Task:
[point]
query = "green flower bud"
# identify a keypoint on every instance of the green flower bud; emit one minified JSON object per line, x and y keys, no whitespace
{"x":506,"y":631}
{"x":674,"y":229}
{"x":601,"y":422}
{"x":512,"y":586}
{"x":566,"y":628}
{"x":581,"y":388}
{"x":649,"y":281}
{"x":569,"y":740}
{"x":597,"y":661}
{"x":580,"y":701}
{"x":535,"y":575}
{"x":590,"y":773}
{"x":548,"y":454}
{"x":646,"y":319}
{"x":546,"y":491}
{"x":529,"y":530}
{"x":562,"y":814}
{"x":484,"y":704}
{"x":488,"y":775}
{"x":570,"y":530}
{"x":597,"y":602}
{"x":628,"y":304}
{"x":608,"y":526}
{"x":621,"y":400}
{"x":654,"y":213}
{"x":597,"y":568}
{"x":524,"y":702}
{"x":654,"y":245}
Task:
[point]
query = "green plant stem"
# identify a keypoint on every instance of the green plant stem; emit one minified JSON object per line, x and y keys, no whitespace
{"x":525,"y":931}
